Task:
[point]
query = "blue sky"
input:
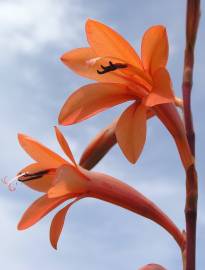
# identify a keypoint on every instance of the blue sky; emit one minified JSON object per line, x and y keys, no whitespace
{"x":35,"y":84}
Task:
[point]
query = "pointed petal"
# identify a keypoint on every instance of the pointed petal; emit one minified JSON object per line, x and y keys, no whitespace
{"x":39,"y":152}
{"x":101,"y":145}
{"x":41,"y":184}
{"x":162,"y":89}
{"x":64,"y":145}
{"x":68,"y":180}
{"x":106,"y":42}
{"x":58,"y":222}
{"x":92,"y":99}
{"x":85,"y":63}
{"x":98,"y":147}
{"x":39,"y":209}
{"x":155,"y":48}
{"x":171,"y":119}
{"x":78,"y":60}
{"x":131,"y":131}
{"x":152,"y":266}
{"x":57,"y":226}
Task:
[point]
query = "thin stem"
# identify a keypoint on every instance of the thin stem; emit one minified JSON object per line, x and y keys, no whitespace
{"x":192,"y":22}
{"x":191,"y":217}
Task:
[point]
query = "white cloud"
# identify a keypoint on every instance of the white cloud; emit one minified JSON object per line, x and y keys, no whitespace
{"x":29,"y":26}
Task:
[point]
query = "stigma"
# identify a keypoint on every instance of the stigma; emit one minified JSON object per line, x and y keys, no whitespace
{"x":12,"y":183}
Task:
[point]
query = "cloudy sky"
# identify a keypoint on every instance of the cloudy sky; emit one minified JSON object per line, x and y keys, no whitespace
{"x":34,"y":85}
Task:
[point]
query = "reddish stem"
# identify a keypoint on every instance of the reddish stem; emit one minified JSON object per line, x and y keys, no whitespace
{"x":192,"y":22}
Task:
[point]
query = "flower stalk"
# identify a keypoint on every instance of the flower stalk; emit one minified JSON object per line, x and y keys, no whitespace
{"x":192,"y":22}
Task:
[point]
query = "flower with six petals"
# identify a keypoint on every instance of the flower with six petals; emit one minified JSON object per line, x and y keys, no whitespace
{"x":122,"y":76}
{"x":61,"y":180}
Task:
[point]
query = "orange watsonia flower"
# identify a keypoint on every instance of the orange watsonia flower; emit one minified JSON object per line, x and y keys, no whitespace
{"x":122,"y":76}
{"x":61,"y":180}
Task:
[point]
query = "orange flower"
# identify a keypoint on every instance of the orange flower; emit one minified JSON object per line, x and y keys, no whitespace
{"x":122,"y":76}
{"x":62,"y":180}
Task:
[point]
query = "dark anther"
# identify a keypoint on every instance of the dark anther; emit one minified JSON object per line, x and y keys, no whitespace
{"x":31,"y":176}
{"x":111,"y":67}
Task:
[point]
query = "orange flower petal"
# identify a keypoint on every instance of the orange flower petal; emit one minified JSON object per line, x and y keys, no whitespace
{"x":85,"y":63}
{"x":92,"y":99}
{"x":106,"y":42}
{"x":39,"y":208}
{"x":78,"y":60}
{"x":154,"y":48}
{"x":41,"y":184}
{"x":39,"y":152}
{"x":170,"y":117}
{"x":101,"y":145}
{"x":68,"y":180}
{"x":131,"y":131}
{"x":64,"y":145}
{"x":162,"y":89}
{"x":58,"y":222}
{"x":57,"y":225}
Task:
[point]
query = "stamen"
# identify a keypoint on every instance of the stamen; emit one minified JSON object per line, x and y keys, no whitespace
{"x":111,"y":67}
{"x":24,"y":177}
{"x":32,"y":176}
